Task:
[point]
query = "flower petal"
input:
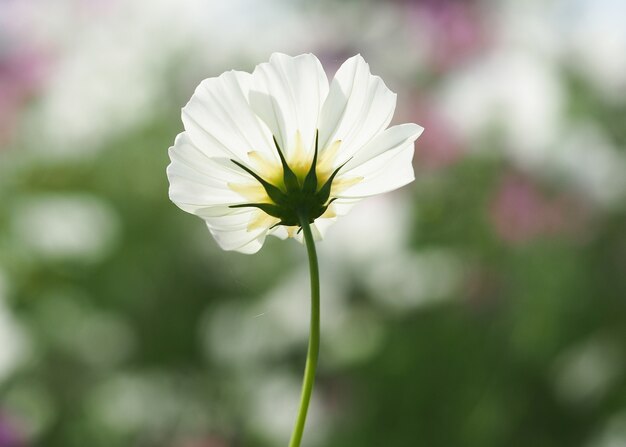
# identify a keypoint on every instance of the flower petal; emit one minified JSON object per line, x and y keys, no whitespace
{"x":391,"y":139}
{"x":252,"y":247}
{"x":220,"y":121}
{"x":197,"y":181}
{"x":288,"y":93}
{"x":388,"y":171}
{"x":359,"y":106}
{"x":280,"y":232}
{"x":340,"y":208}
{"x":231,"y":231}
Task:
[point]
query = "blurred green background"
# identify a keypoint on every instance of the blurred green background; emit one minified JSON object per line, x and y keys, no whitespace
{"x":483,"y":305}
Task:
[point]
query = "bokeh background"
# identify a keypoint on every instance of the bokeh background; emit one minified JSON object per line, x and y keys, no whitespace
{"x":484,"y":305}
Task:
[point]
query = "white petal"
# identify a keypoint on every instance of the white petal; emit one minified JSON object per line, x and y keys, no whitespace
{"x":197,"y":181}
{"x":220,"y":171}
{"x":232,"y":241}
{"x":358,"y":107}
{"x":252,"y":247}
{"x":386,"y":172}
{"x":318,"y":229}
{"x":322,"y":225}
{"x":235,"y":221}
{"x":231,"y":232}
{"x":280,"y":232}
{"x":391,"y":139}
{"x":340,"y":207}
{"x":381,"y":161}
{"x":220,"y":121}
{"x":343,"y":206}
{"x":215,"y":211}
{"x":288,"y":93}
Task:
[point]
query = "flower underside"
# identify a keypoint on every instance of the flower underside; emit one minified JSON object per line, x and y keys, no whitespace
{"x":298,"y":188}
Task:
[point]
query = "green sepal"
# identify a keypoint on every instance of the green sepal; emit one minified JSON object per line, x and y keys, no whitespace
{"x":324,"y":192}
{"x":272,"y":191}
{"x":310,"y":181}
{"x":289,"y":177}
{"x":269,"y":208}
{"x":294,"y":199}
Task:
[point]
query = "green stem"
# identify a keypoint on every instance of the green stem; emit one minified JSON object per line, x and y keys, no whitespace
{"x":314,"y":337}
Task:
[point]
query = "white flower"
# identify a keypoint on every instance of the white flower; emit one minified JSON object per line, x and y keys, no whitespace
{"x":260,"y":150}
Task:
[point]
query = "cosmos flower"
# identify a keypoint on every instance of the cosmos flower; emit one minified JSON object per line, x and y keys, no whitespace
{"x":261,"y":150}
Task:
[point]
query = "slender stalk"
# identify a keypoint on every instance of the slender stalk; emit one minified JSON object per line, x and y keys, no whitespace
{"x":314,"y":337}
